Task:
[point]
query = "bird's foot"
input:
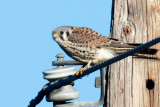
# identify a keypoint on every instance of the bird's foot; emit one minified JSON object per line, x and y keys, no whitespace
{"x":80,"y":72}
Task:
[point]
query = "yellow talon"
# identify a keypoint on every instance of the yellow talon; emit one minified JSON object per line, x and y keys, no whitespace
{"x":80,"y":71}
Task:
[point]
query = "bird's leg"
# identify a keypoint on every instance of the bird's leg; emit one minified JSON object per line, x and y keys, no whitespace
{"x":80,"y":71}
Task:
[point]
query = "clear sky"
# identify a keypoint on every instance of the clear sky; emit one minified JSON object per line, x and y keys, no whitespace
{"x":27,"y":48}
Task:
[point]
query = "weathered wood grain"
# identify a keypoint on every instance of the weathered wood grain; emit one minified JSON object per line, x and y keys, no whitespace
{"x":134,"y":21}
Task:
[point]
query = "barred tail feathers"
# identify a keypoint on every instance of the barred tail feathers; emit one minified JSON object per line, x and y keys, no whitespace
{"x":147,"y":53}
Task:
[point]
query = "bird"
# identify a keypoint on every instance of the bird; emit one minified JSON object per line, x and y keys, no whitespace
{"x":90,"y":47}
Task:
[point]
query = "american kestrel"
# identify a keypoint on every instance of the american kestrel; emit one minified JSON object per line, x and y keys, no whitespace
{"x":88,"y":46}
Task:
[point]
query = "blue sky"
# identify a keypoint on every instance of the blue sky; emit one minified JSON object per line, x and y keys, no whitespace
{"x":27,"y":47}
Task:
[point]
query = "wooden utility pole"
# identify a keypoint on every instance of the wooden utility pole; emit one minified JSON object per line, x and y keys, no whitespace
{"x":134,"y":82}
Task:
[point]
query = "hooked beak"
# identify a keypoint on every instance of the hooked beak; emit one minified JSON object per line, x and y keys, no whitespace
{"x":54,"y":35}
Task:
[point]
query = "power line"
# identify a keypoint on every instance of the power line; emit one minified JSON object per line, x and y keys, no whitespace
{"x":72,"y":78}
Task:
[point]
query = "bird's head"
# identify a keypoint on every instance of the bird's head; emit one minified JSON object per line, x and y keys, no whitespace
{"x":61,"y":33}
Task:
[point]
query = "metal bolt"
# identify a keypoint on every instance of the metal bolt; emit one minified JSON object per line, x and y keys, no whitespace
{"x":60,"y":57}
{"x":97,"y":82}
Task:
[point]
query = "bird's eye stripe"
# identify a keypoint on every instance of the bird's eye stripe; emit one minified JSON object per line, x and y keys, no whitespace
{"x":67,"y":33}
{"x":61,"y":37}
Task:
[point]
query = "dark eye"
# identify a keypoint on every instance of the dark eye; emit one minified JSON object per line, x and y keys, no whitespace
{"x":61,"y":32}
